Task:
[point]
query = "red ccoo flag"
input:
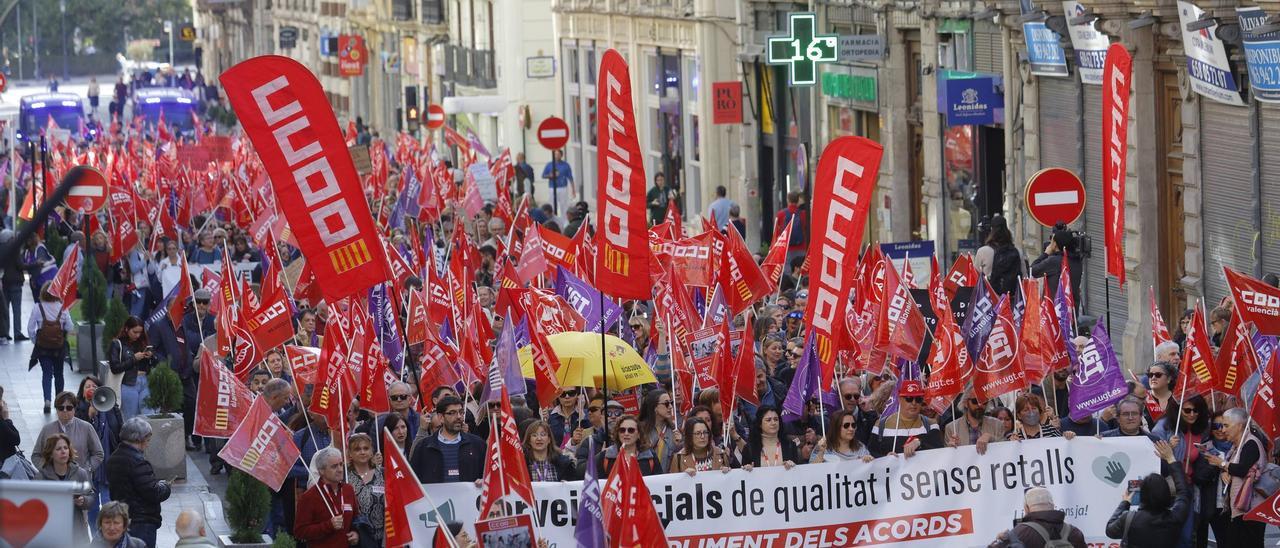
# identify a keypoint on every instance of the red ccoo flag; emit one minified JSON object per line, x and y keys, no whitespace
{"x":1257,"y":302}
{"x":773,"y":263}
{"x":629,"y":516}
{"x":505,"y":472}
{"x":1159,"y":331}
{"x":1116,"y":82}
{"x":622,"y":264}
{"x":222,"y":401}
{"x":1197,"y":360}
{"x":67,"y":280}
{"x":1263,"y":409}
{"x":262,"y":446}
{"x":402,"y":489}
{"x":1236,"y":358}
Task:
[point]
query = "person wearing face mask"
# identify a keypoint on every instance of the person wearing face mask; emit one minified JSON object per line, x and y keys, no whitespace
{"x":1030,"y":411}
{"x":975,"y":427}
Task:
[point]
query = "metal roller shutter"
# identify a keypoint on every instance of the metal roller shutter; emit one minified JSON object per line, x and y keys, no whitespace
{"x":1228,"y":200}
{"x":1270,"y":231}
{"x":1059,"y":123}
{"x":988,"y":55}
{"x":1096,"y":280}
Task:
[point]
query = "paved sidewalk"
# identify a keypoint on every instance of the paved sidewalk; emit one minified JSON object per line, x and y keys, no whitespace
{"x":22,"y":392}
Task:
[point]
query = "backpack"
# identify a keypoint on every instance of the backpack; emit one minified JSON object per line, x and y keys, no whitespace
{"x":1060,"y":542}
{"x":1006,"y":265}
{"x":797,"y":230}
{"x":50,"y":335}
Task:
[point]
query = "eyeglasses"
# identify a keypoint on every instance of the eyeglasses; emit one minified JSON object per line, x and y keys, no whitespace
{"x":636,"y":326}
{"x":701,"y":434}
{"x":850,"y":396}
{"x":974,"y":401}
{"x":452,"y":413}
{"x":614,"y":413}
{"x":1219,"y":426}
{"x":1190,"y":411}
{"x":1156,"y":375}
{"x":1131,"y":414}
{"x":206,"y":303}
{"x":913,"y":399}
{"x":594,"y":409}
{"x":398,"y":397}
{"x":573,"y":394}
{"x":627,"y":430}
{"x":66,"y":408}
{"x":847,"y":426}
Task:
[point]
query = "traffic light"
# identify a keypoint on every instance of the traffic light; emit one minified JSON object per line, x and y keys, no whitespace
{"x":411,"y":107}
{"x":412,"y":118}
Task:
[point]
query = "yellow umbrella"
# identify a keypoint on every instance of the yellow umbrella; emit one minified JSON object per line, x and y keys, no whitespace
{"x":581,"y":363}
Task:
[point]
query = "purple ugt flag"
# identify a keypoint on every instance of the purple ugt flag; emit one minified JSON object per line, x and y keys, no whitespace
{"x":1098,"y":381}
{"x":586,"y":300}
{"x":384,"y":324}
{"x":589,"y":532}
{"x":982,"y":315}
{"x":505,"y":371}
{"x":1066,"y":318}
{"x":805,"y":383}
{"x":1263,"y":346}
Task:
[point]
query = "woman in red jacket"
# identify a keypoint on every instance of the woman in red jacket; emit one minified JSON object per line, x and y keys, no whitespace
{"x":325,"y":511}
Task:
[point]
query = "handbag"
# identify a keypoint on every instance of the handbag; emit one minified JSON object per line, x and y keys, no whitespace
{"x":17,"y":467}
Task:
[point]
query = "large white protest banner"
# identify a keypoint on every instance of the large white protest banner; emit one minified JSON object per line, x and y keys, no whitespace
{"x":945,"y":497}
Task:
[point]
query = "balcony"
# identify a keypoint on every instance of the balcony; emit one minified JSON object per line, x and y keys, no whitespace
{"x":470,"y":67}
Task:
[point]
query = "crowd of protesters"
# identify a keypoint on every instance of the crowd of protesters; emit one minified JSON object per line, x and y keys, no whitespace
{"x":442,"y":429}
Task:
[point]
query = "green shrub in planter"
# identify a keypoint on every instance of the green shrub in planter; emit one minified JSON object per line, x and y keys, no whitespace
{"x":166,"y":389}
{"x":247,"y":504}
{"x":111,"y":324}
{"x":283,"y":540}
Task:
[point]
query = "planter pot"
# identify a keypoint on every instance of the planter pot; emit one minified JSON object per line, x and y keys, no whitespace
{"x":167,"y":452}
{"x":85,"y":361}
{"x":225,"y":540}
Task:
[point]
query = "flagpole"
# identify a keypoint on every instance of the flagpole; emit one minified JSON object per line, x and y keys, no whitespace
{"x":306,"y":417}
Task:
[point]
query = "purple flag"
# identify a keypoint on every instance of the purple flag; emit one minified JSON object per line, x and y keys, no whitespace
{"x":589,"y":531}
{"x":717,"y":309}
{"x":1263,"y":346}
{"x":1066,"y":318}
{"x":1098,"y":381}
{"x":522,"y":332}
{"x":906,"y":370}
{"x":505,"y":370}
{"x":804,"y":385}
{"x":982,"y":315}
{"x":384,"y":324}
{"x":586,"y":300}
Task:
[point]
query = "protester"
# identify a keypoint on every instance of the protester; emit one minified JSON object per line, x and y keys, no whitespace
{"x":1191,"y":420}
{"x":844,"y":443}
{"x":133,"y":482}
{"x":699,"y":454}
{"x":84,"y":438}
{"x":545,"y":462}
{"x":60,"y":465}
{"x":400,"y":398}
{"x":399,"y":428}
{"x":131,"y":357}
{"x":1041,"y":524}
{"x":566,"y":420}
{"x":1032,"y":420}
{"x":658,"y":426}
{"x":765,"y":445}
{"x":974,"y":427}
{"x":451,"y":455}
{"x":1235,"y":469}
{"x":1129,"y":413}
{"x":1158,"y":520}
{"x":190,"y":529}
{"x":49,"y":324}
{"x":327,"y":510}
{"x":113,"y":528}
{"x":906,"y":431}
{"x":367,"y":483}
{"x":627,"y":437}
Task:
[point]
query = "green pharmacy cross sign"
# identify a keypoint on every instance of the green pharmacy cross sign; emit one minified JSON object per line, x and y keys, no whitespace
{"x":802,"y":49}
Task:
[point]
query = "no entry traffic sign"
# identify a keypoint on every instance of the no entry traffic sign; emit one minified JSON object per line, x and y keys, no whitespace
{"x":435,"y":117}
{"x":89,"y":193}
{"x":1055,"y":195}
{"x":553,"y":133}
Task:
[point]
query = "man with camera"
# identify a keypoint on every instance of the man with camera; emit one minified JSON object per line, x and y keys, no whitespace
{"x":1041,"y":525}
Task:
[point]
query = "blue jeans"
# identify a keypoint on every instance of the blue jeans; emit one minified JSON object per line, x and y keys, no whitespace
{"x":14,"y":295}
{"x":132,"y":398}
{"x":51,"y":375}
{"x":138,"y":303}
{"x":146,"y":532}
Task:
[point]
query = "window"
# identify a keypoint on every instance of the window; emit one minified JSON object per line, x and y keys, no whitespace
{"x":591,"y":67}
{"x":571,"y":65}
{"x":591,"y":120}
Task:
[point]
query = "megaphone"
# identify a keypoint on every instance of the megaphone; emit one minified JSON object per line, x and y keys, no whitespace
{"x":104,"y":399}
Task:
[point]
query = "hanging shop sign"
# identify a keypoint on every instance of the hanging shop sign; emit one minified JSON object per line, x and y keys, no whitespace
{"x":1207,"y":59}
{"x":1088,"y":42}
{"x":802,"y":49}
{"x":726,"y":102}
{"x":1262,"y":52}
{"x":972,"y":100}
{"x":288,"y":37}
{"x":352,"y":55}
{"x":858,"y":86}
{"x":1044,"y":53}
{"x":861,"y":47}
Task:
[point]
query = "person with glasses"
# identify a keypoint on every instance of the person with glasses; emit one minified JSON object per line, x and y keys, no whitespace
{"x":1188,"y":443}
{"x":566,"y":418}
{"x":658,"y":426}
{"x":1129,"y":414}
{"x":598,"y":416}
{"x":974,"y":427}
{"x":84,"y":439}
{"x":1219,"y":319}
{"x":1216,"y":512}
{"x":907,"y":430}
{"x":845,"y":444}
{"x":640,"y":334}
{"x":400,"y":398}
{"x":626,"y":437}
{"x":545,"y":462}
{"x":700,"y":453}
{"x":451,"y":455}
{"x":765,"y":444}
{"x":1161,"y":377}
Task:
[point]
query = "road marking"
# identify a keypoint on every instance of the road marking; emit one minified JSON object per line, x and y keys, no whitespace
{"x":1057,"y":198}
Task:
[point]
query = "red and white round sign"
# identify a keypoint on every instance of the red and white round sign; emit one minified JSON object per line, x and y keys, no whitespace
{"x":4,"y":81}
{"x":435,"y":117}
{"x":553,"y":133}
{"x":89,"y":193}
{"x":1055,"y":195}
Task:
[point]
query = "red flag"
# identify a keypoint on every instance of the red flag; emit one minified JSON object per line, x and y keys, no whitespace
{"x":375,"y":379}
{"x":745,"y":383}
{"x":545,"y":363}
{"x":335,"y":389}
{"x":962,"y":274}
{"x":1257,"y":302}
{"x":286,"y":115}
{"x":178,"y":297}
{"x":124,"y":236}
{"x":1236,"y":359}
{"x":844,"y":181}
{"x":1117,"y":71}
{"x":262,"y":446}
{"x":1267,"y":512}
{"x":245,"y":354}
{"x":1159,"y":331}
{"x":673,"y":217}
{"x":1032,"y":334}
{"x":271,"y":325}
{"x":743,"y":282}
{"x":222,"y":401}
{"x":506,"y":472}
{"x":304,"y":362}
{"x":1263,"y":407}
{"x":1197,"y":367}
{"x":67,"y":280}
{"x":900,"y":330}
{"x":401,"y":490}
{"x":629,"y":516}
{"x":775,"y":261}
{"x":622,"y":265}
{"x":999,"y":370}
{"x":949,"y":363}
{"x":1053,"y":345}
{"x":533,"y":257}
{"x":416,"y":330}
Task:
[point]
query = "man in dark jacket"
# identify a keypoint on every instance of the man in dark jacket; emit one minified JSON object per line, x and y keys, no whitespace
{"x":1040,"y":524}
{"x":132,"y":481}
{"x":195,"y":329}
{"x":1049,"y":263}
{"x":451,"y":455}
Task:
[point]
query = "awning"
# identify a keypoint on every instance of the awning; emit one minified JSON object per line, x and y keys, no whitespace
{"x":479,"y":104}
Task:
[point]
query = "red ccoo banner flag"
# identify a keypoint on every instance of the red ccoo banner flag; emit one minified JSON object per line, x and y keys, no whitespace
{"x":262,"y":446}
{"x":285,"y":114}
{"x":622,"y":265}
{"x":842,"y":189}
{"x":1116,"y":82}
